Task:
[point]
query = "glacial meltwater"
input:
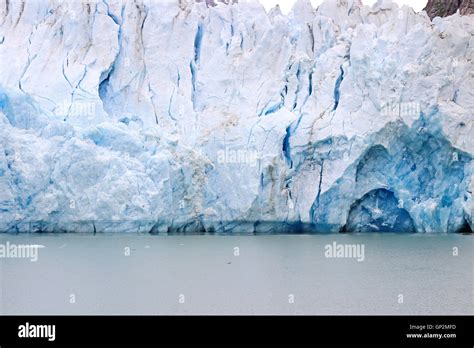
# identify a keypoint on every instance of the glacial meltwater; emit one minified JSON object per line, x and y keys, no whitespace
{"x":237,"y":274}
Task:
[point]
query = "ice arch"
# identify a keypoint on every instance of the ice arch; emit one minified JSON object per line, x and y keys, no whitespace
{"x":378,"y":211}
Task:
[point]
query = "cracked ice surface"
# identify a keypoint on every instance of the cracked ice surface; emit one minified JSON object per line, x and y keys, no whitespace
{"x":173,"y":116}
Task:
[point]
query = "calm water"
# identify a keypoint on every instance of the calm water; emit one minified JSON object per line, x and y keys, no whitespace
{"x":269,"y":271}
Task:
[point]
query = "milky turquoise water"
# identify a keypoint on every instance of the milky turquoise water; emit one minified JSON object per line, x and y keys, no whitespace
{"x":267,"y":274}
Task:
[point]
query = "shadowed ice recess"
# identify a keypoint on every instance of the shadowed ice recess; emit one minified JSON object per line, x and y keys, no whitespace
{"x":178,"y":117}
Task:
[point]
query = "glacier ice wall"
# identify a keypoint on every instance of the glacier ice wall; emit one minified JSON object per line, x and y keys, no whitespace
{"x":175,"y":116}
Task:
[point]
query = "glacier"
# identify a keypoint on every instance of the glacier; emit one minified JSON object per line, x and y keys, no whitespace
{"x":187,"y":116}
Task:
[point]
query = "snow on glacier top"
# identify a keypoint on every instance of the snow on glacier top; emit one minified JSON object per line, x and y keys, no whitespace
{"x":287,"y":5}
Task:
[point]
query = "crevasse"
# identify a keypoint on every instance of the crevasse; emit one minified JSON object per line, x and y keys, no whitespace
{"x":181,"y":117}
